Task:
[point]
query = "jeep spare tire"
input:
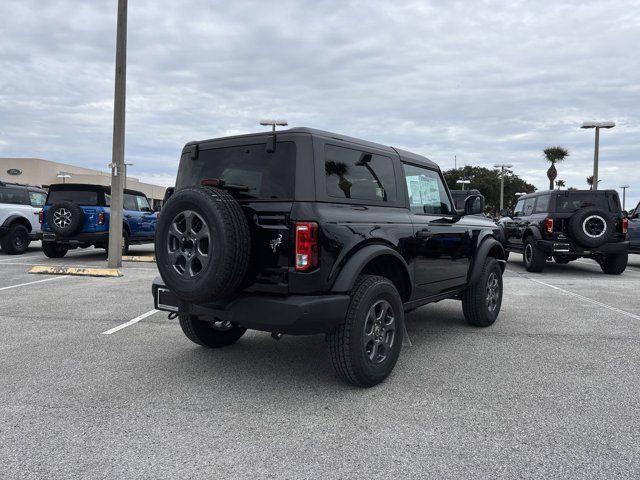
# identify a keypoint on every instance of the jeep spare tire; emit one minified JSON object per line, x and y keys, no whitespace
{"x":65,"y":218}
{"x":591,"y":227}
{"x":202,"y":244}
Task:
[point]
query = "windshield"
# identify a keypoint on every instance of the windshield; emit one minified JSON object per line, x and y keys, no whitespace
{"x":37,"y":199}
{"x":79,"y":197}
{"x":268,"y":176}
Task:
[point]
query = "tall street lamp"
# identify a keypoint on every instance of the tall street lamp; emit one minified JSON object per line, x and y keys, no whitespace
{"x":502,"y":166}
{"x":463,"y":182}
{"x":624,"y":195}
{"x":597,"y":126}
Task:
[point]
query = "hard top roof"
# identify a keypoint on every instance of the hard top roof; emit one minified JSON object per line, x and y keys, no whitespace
{"x":404,"y":155}
{"x":87,"y":187}
{"x":24,"y":185}
{"x":566,"y":192}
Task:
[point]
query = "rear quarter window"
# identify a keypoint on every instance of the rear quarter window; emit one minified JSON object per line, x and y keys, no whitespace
{"x":17,"y":196}
{"x":359,"y":175}
{"x":542,"y":205}
{"x":268,"y":175}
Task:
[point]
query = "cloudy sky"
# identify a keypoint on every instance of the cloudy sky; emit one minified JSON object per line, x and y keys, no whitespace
{"x":488,"y":81}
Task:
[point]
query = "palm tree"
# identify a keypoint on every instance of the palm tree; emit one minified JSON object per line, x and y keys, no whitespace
{"x":590,"y":182}
{"x":560,"y":184}
{"x":554,"y":155}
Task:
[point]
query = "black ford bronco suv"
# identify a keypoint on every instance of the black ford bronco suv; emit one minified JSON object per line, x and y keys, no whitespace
{"x":306,"y":232}
{"x":566,"y":225}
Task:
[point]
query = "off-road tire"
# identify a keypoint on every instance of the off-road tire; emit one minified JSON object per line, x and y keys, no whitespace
{"x":533,"y":258}
{"x":229,"y":249}
{"x":207,"y":334}
{"x":614,"y":264}
{"x":16,"y":240}
{"x":478,"y":310}
{"x":54,"y":250}
{"x":346,"y":343}
{"x":76,"y":218}
{"x":577,"y":227}
{"x":125,"y":243}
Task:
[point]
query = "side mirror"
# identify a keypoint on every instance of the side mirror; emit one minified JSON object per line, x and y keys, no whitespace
{"x":473,"y":205}
{"x":504,"y":212}
{"x":157,"y":208}
{"x":167,"y":193}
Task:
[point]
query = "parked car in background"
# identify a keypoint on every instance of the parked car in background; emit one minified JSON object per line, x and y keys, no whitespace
{"x":634,"y":230}
{"x":19,"y":209}
{"x":320,"y":233}
{"x":566,"y":225}
{"x":459,"y":196}
{"x":77,"y":215}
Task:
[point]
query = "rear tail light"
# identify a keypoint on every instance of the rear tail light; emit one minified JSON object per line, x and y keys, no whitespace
{"x":41,"y":217}
{"x":548,"y":225}
{"x":100,"y":218}
{"x":306,"y":245}
{"x":624,"y":225}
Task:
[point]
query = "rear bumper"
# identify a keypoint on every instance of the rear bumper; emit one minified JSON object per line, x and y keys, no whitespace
{"x":292,"y":314}
{"x":81,"y":238}
{"x":568,"y":248}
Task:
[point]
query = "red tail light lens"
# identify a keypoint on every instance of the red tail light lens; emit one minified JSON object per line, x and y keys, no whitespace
{"x":548,"y":225}
{"x":306,"y":245}
{"x":624,"y":224}
{"x":100,"y":218}
{"x":41,"y":217}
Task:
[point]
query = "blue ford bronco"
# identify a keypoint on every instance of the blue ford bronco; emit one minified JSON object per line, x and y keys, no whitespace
{"x":77,"y":215}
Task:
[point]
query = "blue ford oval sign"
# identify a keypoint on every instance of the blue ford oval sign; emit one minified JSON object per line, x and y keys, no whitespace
{"x":14,"y":171}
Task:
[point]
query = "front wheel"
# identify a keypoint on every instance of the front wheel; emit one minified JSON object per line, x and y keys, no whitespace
{"x":533,"y":258}
{"x":124,"y":244}
{"x":54,"y":250}
{"x":16,"y":240}
{"x":366,"y":346}
{"x":614,"y":264}
{"x":481,"y":302}
{"x":210,"y":334}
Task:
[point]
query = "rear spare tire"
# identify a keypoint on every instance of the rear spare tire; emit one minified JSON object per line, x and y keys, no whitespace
{"x":202,"y":244}
{"x":591,"y":227}
{"x":65,"y":218}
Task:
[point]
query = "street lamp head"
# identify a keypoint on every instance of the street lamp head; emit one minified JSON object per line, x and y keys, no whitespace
{"x":463,"y":181}
{"x":280,"y":123}
{"x":503,"y":165}
{"x":598,"y":124}
{"x":624,"y":186}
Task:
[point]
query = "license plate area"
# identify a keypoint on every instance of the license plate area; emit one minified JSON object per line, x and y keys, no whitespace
{"x":561,"y":247}
{"x":49,"y":236}
{"x":165,"y":300}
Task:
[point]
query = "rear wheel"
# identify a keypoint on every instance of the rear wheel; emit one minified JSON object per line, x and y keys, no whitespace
{"x":614,"y":264}
{"x":534,"y":259}
{"x":210,"y":334}
{"x":366,"y":347}
{"x":16,"y":240}
{"x":54,"y":250}
{"x":482,"y":301}
{"x":124,"y":243}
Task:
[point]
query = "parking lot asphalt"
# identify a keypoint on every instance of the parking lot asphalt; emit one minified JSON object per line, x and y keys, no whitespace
{"x":552,"y":390}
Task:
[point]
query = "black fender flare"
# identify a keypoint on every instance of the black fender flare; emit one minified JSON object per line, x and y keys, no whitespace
{"x":17,"y":218}
{"x":488,"y":244}
{"x":354,"y":266}
{"x":531,"y":230}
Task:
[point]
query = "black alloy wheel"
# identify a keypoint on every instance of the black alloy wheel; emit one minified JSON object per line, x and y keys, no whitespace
{"x":189,"y":244}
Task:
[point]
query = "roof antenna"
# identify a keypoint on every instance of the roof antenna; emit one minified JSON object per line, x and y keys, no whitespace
{"x":271,"y":144}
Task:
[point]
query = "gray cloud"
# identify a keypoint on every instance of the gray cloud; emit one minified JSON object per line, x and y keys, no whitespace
{"x":486,"y":81}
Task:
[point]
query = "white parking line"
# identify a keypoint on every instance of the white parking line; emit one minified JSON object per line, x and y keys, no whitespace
{"x":36,"y":281}
{"x":130,"y":322}
{"x":587,"y":299}
{"x":15,"y":257}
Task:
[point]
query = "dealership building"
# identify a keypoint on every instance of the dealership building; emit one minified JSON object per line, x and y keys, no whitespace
{"x":42,"y":173}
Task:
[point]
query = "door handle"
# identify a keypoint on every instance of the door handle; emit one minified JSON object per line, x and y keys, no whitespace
{"x":424,"y":233}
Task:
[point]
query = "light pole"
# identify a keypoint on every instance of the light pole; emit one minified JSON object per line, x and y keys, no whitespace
{"x":597,"y":126}
{"x":118,"y":169}
{"x":463,"y":182}
{"x":63,"y":176}
{"x":502,"y":166}
{"x":624,"y":195}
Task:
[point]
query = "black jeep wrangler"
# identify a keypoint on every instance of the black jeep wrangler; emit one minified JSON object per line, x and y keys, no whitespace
{"x":314,"y":232}
{"x":566,"y":225}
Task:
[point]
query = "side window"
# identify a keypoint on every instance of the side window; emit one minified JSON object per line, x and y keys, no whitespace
{"x":543,"y":204}
{"x":17,"y":196}
{"x":359,"y":175}
{"x":130,"y":202}
{"x":37,"y":199}
{"x":143,"y":204}
{"x":107,"y":200}
{"x":427,"y":193}
{"x":528,"y":206}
